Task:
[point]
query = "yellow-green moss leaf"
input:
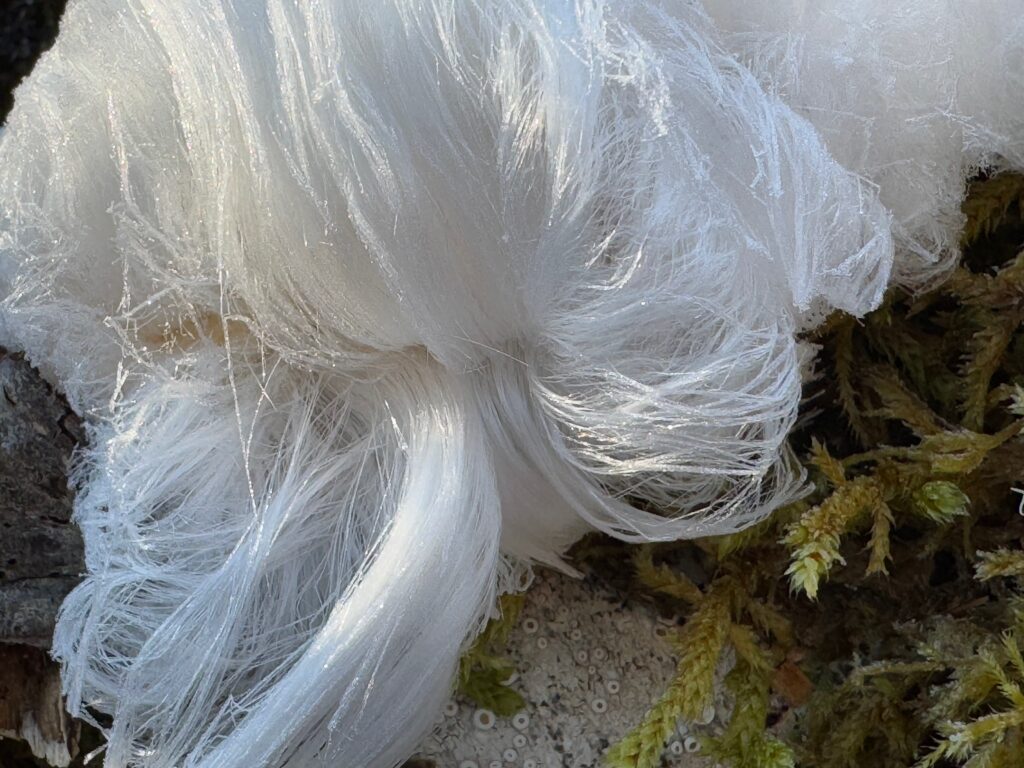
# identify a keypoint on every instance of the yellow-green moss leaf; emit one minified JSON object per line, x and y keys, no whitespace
{"x":941,"y":501}
{"x":1000,"y":563}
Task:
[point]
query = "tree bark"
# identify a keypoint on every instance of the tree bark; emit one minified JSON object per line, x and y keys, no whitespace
{"x":41,"y":556}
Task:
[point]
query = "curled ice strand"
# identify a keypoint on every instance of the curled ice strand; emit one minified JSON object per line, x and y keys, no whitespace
{"x":236,"y":615}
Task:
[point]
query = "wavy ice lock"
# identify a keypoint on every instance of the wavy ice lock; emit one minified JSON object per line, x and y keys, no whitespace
{"x":369,"y":305}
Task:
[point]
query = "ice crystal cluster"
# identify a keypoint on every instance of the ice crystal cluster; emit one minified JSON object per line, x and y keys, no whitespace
{"x":369,"y":305}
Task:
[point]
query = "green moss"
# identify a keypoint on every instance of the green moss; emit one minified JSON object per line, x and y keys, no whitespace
{"x":484,"y":670}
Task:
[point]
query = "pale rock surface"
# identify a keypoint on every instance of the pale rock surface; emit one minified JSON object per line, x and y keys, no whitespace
{"x":588,"y":665}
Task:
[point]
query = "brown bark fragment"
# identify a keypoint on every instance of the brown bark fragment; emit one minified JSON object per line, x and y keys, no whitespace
{"x":41,"y":558}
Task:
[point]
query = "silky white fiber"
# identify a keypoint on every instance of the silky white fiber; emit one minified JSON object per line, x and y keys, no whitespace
{"x":915,"y":96}
{"x":368,"y":305}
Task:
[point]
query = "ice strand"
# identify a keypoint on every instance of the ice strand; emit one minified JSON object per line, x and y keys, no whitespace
{"x":917,"y":98}
{"x":353,"y":295}
{"x":300,"y":612}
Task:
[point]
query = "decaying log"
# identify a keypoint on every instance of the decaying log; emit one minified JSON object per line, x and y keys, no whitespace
{"x":31,"y":707}
{"x":41,"y":556}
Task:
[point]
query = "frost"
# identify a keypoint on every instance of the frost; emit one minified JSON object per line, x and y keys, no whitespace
{"x":354,"y":295}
